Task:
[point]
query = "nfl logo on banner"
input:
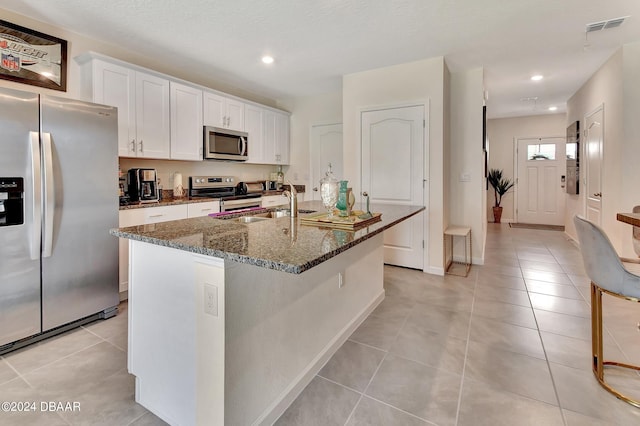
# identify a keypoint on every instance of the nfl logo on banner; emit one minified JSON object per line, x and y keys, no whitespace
{"x":10,"y":62}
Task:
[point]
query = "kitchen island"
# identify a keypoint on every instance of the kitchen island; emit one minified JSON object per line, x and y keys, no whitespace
{"x":229,"y":321}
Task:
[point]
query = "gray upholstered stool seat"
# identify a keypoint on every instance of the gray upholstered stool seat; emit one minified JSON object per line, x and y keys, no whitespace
{"x":608,"y":275}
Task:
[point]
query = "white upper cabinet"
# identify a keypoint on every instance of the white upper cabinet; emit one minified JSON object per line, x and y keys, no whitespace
{"x":152,"y":116}
{"x":276,"y":138}
{"x":186,"y":122}
{"x":254,"y":126}
{"x":143,"y":106}
{"x":220,"y":111}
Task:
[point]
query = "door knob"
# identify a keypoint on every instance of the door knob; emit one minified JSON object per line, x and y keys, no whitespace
{"x":315,"y":188}
{"x":598,"y":194}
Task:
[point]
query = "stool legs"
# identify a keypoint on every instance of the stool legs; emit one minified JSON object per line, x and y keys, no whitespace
{"x":597,"y":343}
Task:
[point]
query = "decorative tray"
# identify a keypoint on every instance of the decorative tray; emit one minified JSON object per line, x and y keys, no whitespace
{"x":352,"y":222}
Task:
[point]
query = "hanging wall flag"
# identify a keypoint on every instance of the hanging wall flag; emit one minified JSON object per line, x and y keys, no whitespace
{"x":31,"y":57}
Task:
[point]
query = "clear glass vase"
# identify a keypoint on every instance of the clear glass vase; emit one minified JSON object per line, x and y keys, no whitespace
{"x":329,"y":192}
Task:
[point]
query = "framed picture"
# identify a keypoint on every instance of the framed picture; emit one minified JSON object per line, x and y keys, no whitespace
{"x":31,"y":57}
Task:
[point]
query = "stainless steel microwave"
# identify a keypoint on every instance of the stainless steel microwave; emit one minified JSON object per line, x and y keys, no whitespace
{"x":225,"y":144}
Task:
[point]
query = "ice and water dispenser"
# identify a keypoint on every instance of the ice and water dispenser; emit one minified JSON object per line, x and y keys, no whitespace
{"x":11,"y":201}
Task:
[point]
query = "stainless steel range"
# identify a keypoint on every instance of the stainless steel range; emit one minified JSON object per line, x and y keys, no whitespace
{"x":233,"y":195}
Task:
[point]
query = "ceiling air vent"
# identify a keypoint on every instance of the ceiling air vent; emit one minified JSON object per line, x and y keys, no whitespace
{"x":605,"y":25}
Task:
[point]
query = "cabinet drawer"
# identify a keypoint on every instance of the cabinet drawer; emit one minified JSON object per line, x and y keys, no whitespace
{"x":203,"y":209}
{"x":274,"y":200}
{"x":164,"y":214}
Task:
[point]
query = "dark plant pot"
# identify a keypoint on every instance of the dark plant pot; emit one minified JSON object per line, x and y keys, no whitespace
{"x":497,"y":214}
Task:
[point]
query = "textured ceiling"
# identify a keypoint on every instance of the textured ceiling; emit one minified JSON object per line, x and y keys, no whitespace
{"x":315,"y":42}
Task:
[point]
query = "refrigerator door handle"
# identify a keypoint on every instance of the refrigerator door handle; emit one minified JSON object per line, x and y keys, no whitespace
{"x":49,"y":195}
{"x":36,"y":196}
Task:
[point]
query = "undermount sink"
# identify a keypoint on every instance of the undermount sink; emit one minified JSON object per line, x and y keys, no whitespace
{"x":258,"y":217}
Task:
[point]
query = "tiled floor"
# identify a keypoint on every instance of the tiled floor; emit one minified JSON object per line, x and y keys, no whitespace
{"x":508,"y":345}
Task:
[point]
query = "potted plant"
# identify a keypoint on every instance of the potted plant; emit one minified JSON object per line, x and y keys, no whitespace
{"x":500,"y":187}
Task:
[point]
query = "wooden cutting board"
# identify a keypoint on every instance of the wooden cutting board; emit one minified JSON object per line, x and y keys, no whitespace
{"x":349,"y":223}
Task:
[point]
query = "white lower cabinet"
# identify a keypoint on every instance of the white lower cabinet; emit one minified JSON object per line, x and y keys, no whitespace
{"x":143,"y":216}
{"x":274,"y":200}
{"x":203,"y":209}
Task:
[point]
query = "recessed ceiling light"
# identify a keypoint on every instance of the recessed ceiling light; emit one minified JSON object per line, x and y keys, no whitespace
{"x":537,"y":77}
{"x":267,"y":59}
{"x":553,"y":108}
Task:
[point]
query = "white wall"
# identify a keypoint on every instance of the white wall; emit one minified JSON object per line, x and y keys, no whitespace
{"x":502,"y":134}
{"x":467,"y":199}
{"x":308,"y":111}
{"x":614,"y":85}
{"x":421,"y":82}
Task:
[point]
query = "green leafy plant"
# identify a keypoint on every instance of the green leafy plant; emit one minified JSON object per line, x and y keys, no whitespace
{"x":500,"y":185}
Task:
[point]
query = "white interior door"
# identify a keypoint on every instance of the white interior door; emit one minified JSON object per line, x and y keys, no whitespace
{"x":393,"y":172}
{"x":541,"y":165}
{"x":326,"y":147}
{"x":594,"y":125}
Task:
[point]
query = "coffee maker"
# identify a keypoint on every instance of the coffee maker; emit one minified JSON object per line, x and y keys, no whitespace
{"x":143,"y":185}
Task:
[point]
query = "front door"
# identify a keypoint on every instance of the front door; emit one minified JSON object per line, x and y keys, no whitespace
{"x":393,"y":148}
{"x":326,"y":147}
{"x":594,"y":125}
{"x":541,"y":167}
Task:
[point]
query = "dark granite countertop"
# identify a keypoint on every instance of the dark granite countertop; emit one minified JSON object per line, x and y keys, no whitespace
{"x":281,"y":244}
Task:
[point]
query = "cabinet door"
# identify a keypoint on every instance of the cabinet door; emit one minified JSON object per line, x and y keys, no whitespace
{"x":269,"y":139}
{"x":165,"y":213}
{"x":274,"y":200}
{"x":186,"y":122}
{"x":253,"y":120}
{"x":214,"y":110}
{"x":282,"y":138}
{"x":152,"y":116}
{"x":115,"y":85}
{"x":203,"y":209}
{"x":131,"y":217}
{"x":235,"y":115}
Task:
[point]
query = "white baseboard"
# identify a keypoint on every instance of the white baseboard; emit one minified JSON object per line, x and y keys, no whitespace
{"x":435,"y":270}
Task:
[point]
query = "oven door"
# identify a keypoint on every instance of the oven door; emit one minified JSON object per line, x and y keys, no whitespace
{"x":240,"y":204}
{"x":225,"y":144}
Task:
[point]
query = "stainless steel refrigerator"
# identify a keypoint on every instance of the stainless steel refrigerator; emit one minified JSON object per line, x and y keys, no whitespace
{"x":58,"y":200}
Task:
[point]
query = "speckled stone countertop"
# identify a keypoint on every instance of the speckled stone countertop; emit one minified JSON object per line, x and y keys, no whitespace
{"x":281,"y":244}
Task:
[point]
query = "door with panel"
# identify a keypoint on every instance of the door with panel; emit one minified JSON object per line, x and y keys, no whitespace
{"x":594,"y":139}
{"x":326,"y":147}
{"x":393,"y":170}
{"x":541,"y":166}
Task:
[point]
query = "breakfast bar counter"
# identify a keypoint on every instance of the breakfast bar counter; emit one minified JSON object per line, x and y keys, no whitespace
{"x":229,"y":321}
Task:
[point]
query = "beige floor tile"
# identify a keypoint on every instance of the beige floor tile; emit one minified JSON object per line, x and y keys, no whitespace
{"x":321,"y":403}
{"x":47,"y":351}
{"x":107,"y":402}
{"x":552,"y":277}
{"x":430,"y":348}
{"x":504,"y":312}
{"x":501,"y":281}
{"x":483,"y":404}
{"x":18,"y":391}
{"x":370,"y":412}
{"x":440,"y":320}
{"x":148,"y":419}
{"x":426,"y":392}
{"x":577,"y":419}
{"x":394,"y":307}
{"x":560,"y":305}
{"x":455,"y":300}
{"x":552,"y":289}
{"x":378,"y":332}
{"x":353,"y":365}
{"x":535,"y":257}
{"x":541,"y":266}
{"x":563,"y":324}
{"x":78,"y":372}
{"x":573,"y":352}
{"x":6,"y":372}
{"x":506,"y":295}
{"x":512,"y":372}
{"x":579,"y":391}
{"x":507,"y":337}
{"x":501,"y":270}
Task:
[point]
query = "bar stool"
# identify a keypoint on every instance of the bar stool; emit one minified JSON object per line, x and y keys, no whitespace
{"x":608,"y":275}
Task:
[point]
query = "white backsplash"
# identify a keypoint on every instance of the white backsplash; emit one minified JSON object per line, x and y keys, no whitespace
{"x":166,"y":169}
